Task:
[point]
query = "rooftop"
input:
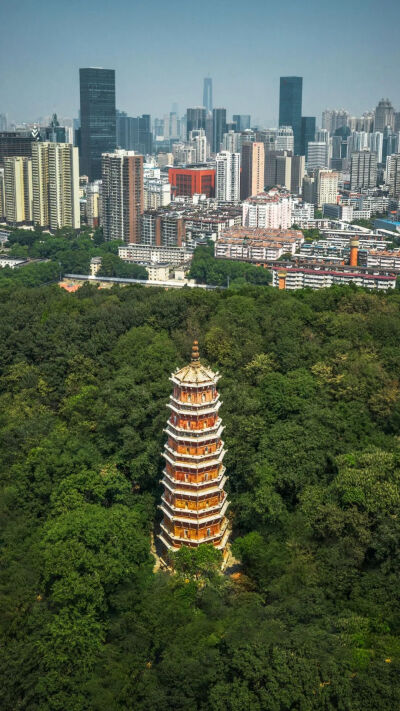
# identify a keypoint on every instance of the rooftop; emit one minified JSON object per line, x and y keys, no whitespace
{"x":195,"y":373}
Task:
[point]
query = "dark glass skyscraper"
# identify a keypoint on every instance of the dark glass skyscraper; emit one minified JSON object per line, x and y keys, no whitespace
{"x":290,"y":99}
{"x":219,"y":128}
{"x":207,"y":94}
{"x":242,"y":121}
{"x":195,"y":119}
{"x":98,"y":128}
{"x":307,"y":133}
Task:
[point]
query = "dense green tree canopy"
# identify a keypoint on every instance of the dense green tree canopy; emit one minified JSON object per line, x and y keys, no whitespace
{"x":311,"y":409}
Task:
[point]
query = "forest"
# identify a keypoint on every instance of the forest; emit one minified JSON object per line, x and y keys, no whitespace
{"x":311,"y":409}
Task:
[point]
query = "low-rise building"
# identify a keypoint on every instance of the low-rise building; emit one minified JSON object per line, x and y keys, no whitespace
{"x":146,"y":254}
{"x":301,"y":278}
{"x":257,"y":245}
{"x":158,"y":272}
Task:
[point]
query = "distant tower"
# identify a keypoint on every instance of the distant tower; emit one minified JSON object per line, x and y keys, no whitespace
{"x":207,"y":94}
{"x":194,"y":502}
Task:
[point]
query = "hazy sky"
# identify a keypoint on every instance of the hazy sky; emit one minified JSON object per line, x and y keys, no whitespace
{"x":348,"y":53}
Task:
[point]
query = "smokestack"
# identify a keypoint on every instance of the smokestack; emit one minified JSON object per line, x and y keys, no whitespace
{"x":354,"y":244}
{"x":281,"y":280}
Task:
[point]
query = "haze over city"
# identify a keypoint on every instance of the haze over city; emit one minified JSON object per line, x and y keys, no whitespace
{"x":161,"y":51}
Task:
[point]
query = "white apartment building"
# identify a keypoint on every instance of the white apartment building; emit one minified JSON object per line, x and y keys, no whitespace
{"x":227,"y":176}
{"x":326,"y":187}
{"x":301,"y":278}
{"x":157,"y":193}
{"x":146,"y":254}
{"x":272,"y":209}
{"x":55,"y":185}
{"x":17,"y":190}
{"x":232,"y":142}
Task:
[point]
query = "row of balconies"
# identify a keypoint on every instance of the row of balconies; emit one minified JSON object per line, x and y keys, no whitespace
{"x":201,"y":409}
{"x":205,"y":486}
{"x":193,"y":436}
{"x":187,"y":536}
{"x":193,"y":460}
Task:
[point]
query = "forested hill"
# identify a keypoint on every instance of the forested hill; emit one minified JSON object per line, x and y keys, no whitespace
{"x":311,"y":408}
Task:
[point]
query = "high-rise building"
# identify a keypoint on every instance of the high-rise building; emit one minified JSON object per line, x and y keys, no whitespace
{"x":207,"y":94}
{"x":393,"y":175}
{"x":54,"y":132}
{"x":297,"y":175}
{"x":55,"y":185}
{"x":232,"y":142}
{"x":122,"y":195}
{"x":195,"y":118}
{"x":93,"y":203}
{"x":390,"y":143}
{"x":2,"y":195}
{"x":3,"y":122}
{"x":219,"y":128}
{"x":141,"y":136}
{"x":15,"y":143}
{"x":284,"y":139}
{"x":227,"y":176}
{"x":307,"y":133}
{"x":334,"y":119}
{"x":290,"y":102}
{"x":18,"y":190}
{"x":325,"y":187}
{"x":198,"y":141}
{"x":252,"y":178}
{"x":384,"y":115}
{"x":278,"y":169}
{"x":242,"y":121}
{"x":194,"y":502}
{"x":363,"y":170}
{"x":268,"y":209}
{"x":318,"y":155}
{"x":98,"y":118}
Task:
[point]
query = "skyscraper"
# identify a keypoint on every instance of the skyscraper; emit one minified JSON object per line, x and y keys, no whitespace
{"x":219,"y":128}
{"x":384,"y":115}
{"x":290,"y":101}
{"x":122,"y":195}
{"x":242,"y":121}
{"x":227,"y":178}
{"x":207,"y":94}
{"x":55,"y":185}
{"x":15,"y":143}
{"x":195,"y":118}
{"x":252,"y":178}
{"x":307,"y":133}
{"x":98,"y":121}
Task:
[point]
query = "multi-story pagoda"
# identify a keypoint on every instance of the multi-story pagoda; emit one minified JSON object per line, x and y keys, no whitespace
{"x":194,"y":502}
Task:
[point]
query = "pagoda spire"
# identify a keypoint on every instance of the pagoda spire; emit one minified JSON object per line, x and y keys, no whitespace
{"x":194,"y":501}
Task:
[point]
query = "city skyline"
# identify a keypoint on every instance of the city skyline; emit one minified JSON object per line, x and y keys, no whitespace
{"x":245,"y":75}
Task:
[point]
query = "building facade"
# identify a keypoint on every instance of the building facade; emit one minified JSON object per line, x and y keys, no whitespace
{"x":252,"y":177}
{"x":219,"y":128}
{"x":188,"y":181}
{"x":98,"y":118}
{"x":290,"y":103}
{"x":122,"y":195}
{"x":363,"y":170}
{"x":227,"y":176}
{"x":207,"y":94}
{"x":55,"y":185}
{"x":18,"y":190}
{"x":194,"y":502}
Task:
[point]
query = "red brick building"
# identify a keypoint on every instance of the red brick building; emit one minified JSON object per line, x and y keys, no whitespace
{"x":188,"y":181}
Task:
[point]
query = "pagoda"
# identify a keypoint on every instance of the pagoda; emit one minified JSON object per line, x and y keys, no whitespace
{"x":194,"y":502}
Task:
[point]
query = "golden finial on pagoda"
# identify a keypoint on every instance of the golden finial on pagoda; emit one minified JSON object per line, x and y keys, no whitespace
{"x":195,"y":352}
